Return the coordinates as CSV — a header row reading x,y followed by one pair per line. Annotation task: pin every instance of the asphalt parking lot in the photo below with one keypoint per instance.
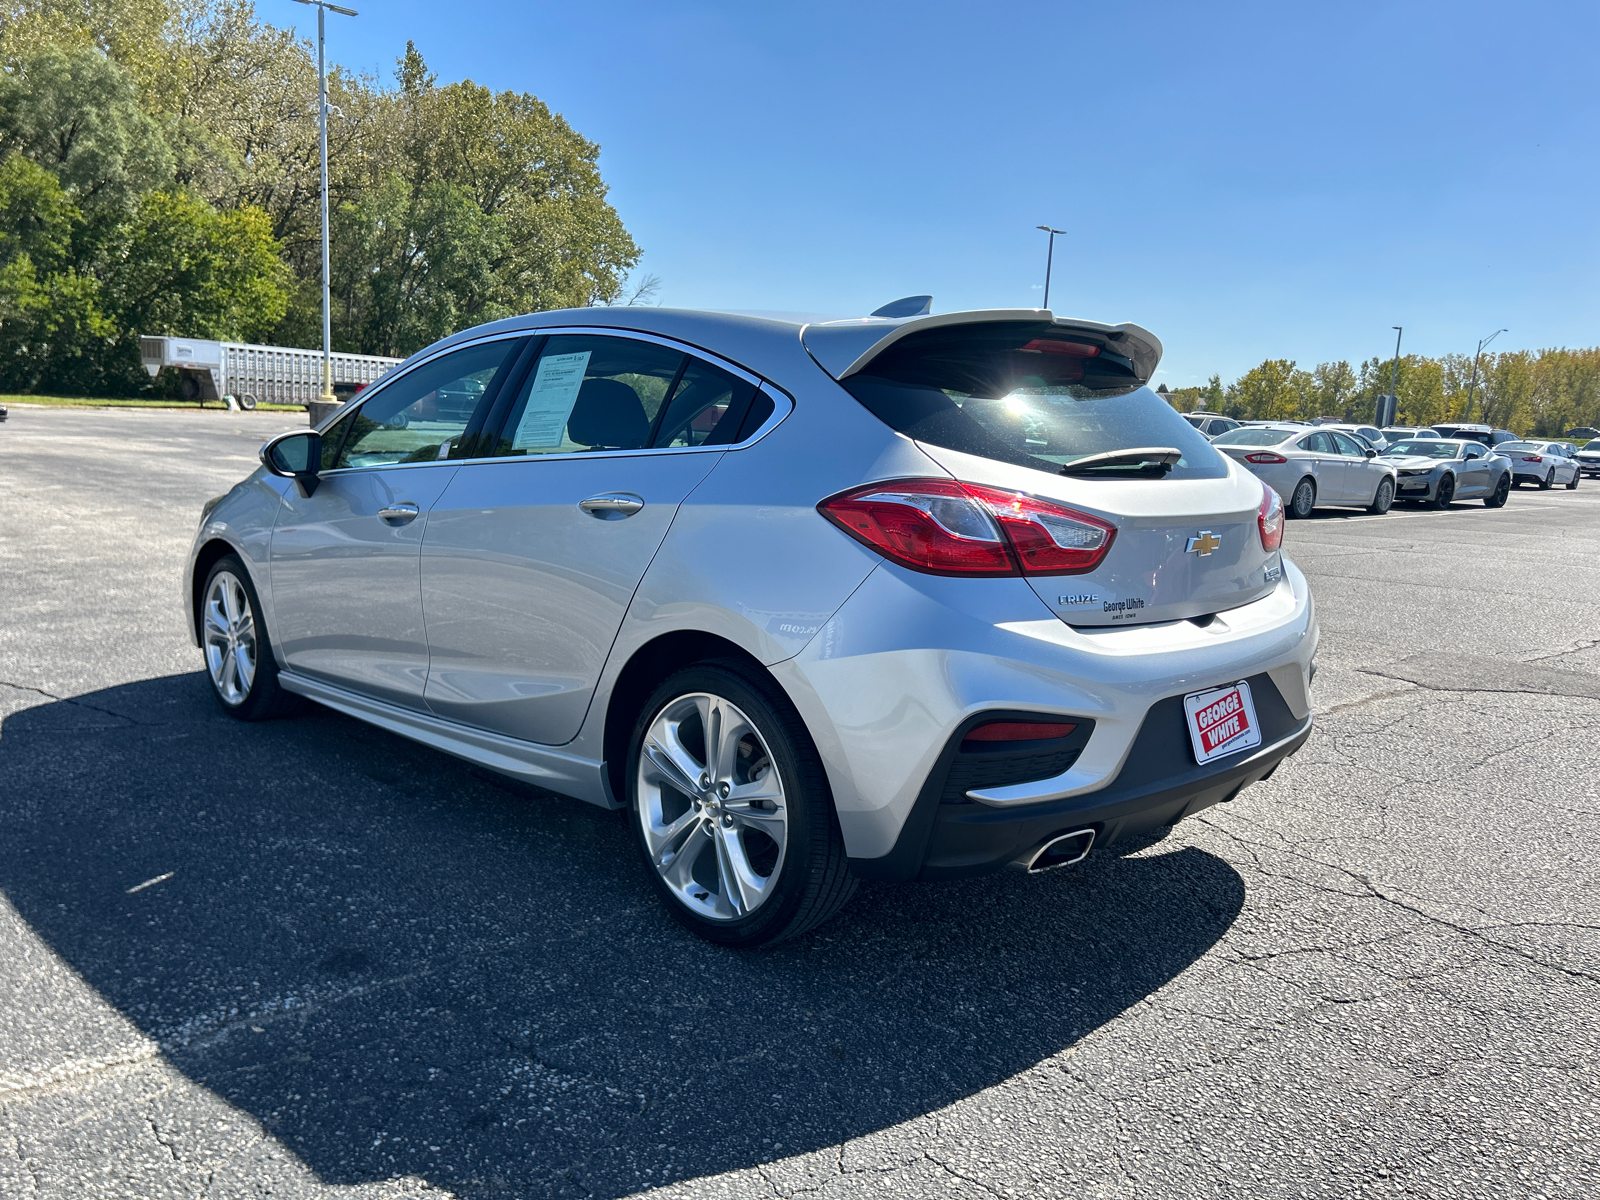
x,y
308,958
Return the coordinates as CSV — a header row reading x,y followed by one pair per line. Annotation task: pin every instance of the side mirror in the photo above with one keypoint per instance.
x,y
1372,453
296,455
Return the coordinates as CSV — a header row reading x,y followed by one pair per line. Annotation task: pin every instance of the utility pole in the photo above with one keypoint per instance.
x,y
1477,354
1049,259
322,127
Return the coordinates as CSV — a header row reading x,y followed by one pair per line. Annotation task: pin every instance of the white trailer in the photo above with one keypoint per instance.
x,y
253,375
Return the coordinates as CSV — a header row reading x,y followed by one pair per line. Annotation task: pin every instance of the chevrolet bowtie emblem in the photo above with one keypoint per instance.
x,y
1203,543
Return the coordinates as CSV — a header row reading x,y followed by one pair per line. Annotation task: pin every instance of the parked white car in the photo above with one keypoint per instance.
x,y
1405,433
1543,463
1311,468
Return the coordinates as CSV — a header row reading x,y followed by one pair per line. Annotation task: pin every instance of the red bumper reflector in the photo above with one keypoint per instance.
x,y
1019,731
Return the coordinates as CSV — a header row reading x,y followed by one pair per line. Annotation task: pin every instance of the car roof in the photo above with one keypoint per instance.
x,y
772,343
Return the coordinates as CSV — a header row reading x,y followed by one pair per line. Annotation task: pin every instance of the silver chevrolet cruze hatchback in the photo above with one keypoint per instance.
x,y
892,598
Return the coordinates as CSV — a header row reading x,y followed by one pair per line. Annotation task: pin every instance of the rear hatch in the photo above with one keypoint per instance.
x,y
1027,406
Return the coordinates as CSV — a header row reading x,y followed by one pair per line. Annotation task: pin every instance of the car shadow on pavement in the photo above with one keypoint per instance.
x,y
401,965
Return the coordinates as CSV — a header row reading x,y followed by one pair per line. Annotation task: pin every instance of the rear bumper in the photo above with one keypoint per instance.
x,y
947,836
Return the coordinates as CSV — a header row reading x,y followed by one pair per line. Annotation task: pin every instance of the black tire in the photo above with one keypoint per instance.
x,y
263,699
1303,500
1549,481
1383,498
813,878
1501,491
1572,484
1445,493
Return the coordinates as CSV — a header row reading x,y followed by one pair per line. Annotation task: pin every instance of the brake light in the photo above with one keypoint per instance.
x,y
1265,456
943,527
1269,519
1531,458
1070,349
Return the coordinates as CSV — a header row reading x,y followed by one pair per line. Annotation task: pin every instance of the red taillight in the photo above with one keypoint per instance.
x,y
1531,458
1019,731
1265,456
1269,519
947,528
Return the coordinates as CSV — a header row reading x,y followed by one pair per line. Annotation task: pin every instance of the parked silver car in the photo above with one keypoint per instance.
x,y
879,598
1440,471
1312,467
1542,463
1369,435
1210,424
1588,458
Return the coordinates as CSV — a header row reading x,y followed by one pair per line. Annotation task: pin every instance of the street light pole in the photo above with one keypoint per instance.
x,y
1394,371
1477,354
322,130
1049,259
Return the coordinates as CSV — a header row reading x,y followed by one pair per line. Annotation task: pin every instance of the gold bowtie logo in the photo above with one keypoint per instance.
x,y
1203,544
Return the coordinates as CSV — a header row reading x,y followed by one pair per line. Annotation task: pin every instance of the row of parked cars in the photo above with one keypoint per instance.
x,y
1316,464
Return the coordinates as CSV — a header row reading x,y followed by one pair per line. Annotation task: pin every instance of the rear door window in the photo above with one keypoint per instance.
x,y
595,392
1027,393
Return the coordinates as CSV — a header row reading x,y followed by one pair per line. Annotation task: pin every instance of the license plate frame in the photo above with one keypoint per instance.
x,y
1221,721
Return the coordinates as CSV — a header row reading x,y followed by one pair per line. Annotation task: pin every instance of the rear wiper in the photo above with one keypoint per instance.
x,y
1152,458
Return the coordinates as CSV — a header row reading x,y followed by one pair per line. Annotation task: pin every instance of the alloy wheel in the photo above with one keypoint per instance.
x,y
712,807
230,638
1305,499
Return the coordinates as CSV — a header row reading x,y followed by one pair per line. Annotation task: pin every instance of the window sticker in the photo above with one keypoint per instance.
x,y
550,400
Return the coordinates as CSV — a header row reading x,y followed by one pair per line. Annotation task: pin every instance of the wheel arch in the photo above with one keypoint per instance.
x,y
644,670
205,558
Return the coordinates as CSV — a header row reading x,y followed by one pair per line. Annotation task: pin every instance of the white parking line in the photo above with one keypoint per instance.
x,y
1447,512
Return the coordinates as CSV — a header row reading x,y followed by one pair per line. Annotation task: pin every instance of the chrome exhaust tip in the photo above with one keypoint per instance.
x,y
1060,850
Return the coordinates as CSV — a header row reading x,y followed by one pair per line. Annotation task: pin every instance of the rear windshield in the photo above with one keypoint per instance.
x,y
1254,436
1529,446
1423,449
1472,435
1028,393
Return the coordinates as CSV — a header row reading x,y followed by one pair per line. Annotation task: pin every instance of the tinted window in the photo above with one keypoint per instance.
x,y
1317,443
1473,452
1347,446
590,393
1025,393
593,392
706,408
424,410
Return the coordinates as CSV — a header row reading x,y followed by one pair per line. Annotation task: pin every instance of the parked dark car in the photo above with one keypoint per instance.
x,y
1485,434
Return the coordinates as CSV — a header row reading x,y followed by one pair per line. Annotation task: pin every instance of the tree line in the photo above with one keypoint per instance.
x,y
159,173
1540,393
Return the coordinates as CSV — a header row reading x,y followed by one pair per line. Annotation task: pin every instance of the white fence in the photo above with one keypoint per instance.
x,y
258,374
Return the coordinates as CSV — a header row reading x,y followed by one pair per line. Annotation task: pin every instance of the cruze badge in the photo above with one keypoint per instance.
x,y
1203,543
1080,598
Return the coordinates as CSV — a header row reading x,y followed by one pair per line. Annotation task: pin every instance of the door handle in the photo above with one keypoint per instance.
x,y
612,506
401,512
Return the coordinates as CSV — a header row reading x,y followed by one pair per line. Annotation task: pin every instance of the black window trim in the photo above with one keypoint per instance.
x,y
782,401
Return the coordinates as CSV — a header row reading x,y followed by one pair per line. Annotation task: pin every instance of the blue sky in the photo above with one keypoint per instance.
x,y
1246,180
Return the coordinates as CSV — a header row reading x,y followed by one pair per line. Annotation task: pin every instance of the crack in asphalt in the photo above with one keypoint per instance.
x,y
1373,891
23,687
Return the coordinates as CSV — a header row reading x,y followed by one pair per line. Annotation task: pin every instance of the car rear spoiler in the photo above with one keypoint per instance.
x,y
841,348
